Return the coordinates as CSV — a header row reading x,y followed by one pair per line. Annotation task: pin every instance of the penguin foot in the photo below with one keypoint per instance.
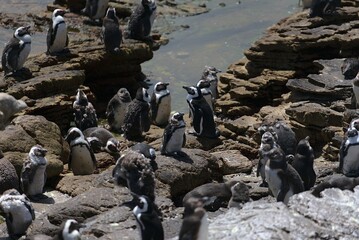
x,y
38,197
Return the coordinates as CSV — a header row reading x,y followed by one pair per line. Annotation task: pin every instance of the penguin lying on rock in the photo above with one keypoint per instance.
x,y
336,181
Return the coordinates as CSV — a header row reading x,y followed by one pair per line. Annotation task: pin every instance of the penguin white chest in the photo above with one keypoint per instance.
x,y
176,141
81,160
273,180
356,93
203,229
209,99
164,110
351,161
119,114
23,55
60,39
21,218
38,182
101,8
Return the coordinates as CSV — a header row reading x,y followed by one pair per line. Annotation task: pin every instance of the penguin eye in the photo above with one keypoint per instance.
x,y
141,204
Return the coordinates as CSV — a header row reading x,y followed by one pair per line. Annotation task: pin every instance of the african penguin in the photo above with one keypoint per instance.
x,y
57,38
141,20
323,7
147,219
17,211
148,152
210,74
336,181
174,137
107,140
95,9
350,68
137,118
33,173
201,114
70,230
84,112
82,160
356,90
8,107
116,109
111,32
303,163
16,51
283,180
205,87
240,195
349,153
195,226
160,104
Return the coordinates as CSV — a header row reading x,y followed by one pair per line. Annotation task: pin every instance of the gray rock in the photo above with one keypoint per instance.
x,y
8,176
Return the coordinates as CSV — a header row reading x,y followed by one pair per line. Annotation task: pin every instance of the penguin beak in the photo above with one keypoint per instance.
x,y
166,84
188,89
27,28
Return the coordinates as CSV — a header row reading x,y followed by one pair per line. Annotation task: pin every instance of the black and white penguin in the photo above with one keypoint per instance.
x,y
57,38
147,218
174,137
147,151
283,180
107,140
95,9
355,84
84,112
323,7
137,118
160,104
240,195
201,114
111,32
336,181
8,107
303,163
210,74
268,142
70,230
33,173
17,211
82,160
195,225
141,20
349,153
116,109
205,87
350,68
16,51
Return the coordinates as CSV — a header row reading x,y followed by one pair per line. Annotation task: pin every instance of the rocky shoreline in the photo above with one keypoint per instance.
x,y
291,73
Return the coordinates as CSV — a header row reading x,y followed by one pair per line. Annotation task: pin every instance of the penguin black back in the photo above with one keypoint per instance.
x,y
112,34
323,7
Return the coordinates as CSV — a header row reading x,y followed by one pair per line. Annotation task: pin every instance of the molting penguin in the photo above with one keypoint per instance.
x,y
174,137
57,38
350,68
148,152
303,163
137,118
8,107
116,109
283,180
201,114
70,230
107,140
17,211
349,153
210,74
33,173
195,225
240,195
95,9
82,160
147,219
111,32
160,104
336,181
323,7
16,51
141,20
205,87
85,113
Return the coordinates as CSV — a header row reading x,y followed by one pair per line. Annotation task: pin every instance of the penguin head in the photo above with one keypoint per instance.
x,y
38,151
277,158
160,86
23,33
354,124
176,118
95,144
210,71
58,12
203,83
124,95
193,92
71,230
112,145
268,138
142,95
145,149
143,204
111,13
73,134
81,98
151,4
304,147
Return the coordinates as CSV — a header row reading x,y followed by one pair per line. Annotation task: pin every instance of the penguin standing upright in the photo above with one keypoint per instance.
x,y
355,84
323,7
195,225
95,9
303,163
210,74
349,152
174,137
57,38
111,32
82,159
16,51
160,104
116,109
201,114
283,180
147,219
84,112
205,87
141,20
17,211
137,118
33,173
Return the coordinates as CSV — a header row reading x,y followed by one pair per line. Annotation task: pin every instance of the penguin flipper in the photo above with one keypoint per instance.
x,y
198,115
154,107
146,27
184,140
145,119
29,207
10,53
50,37
284,187
27,173
167,134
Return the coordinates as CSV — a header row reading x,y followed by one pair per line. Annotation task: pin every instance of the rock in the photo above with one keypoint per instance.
x,y
8,107
234,162
8,176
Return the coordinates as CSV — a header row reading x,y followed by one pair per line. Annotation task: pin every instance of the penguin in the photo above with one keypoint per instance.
x,y
323,7
18,212
195,226
82,160
84,112
111,32
33,173
303,163
210,74
205,87
160,104
201,114
355,84
70,230
16,51
141,20
174,137
268,142
95,9
148,152
283,180
57,38
240,195
350,68
348,153
8,107
305,3
107,140
116,109
336,181
137,118
147,218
